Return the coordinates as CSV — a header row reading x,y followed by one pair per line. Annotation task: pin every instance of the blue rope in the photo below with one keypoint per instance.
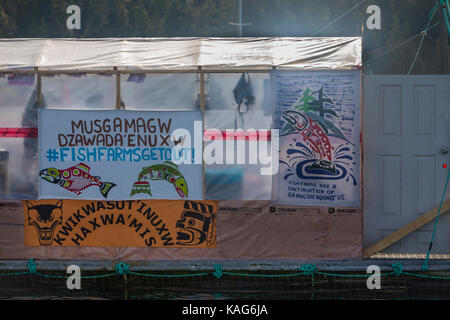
x,y
446,17
340,17
218,273
424,33
309,269
425,263
122,268
203,274
305,270
397,268
32,267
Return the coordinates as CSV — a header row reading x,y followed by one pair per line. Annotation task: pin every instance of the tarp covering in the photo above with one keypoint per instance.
x,y
335,53
245,230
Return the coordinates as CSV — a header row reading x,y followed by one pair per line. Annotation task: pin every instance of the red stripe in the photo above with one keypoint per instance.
x,y
18,132
210,135
141,182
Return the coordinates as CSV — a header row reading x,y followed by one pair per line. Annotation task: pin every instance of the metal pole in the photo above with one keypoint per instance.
x,y
240,18
240,24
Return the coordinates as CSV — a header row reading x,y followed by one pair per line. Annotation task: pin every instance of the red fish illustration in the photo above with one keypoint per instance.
x,y
76,179
311,132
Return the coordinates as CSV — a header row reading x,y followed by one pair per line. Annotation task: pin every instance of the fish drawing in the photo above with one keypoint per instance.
x,y
311,131
167,171
76,179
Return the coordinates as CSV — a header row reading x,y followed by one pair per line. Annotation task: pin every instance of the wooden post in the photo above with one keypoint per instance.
x,y
361,127
362,47
409,228
118,90
38,87
202,107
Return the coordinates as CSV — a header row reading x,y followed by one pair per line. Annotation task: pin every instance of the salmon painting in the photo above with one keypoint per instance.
x,y
167,171
311,132
75,179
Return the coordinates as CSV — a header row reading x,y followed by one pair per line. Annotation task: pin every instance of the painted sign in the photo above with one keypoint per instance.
x,y
142,223
318,115
119,155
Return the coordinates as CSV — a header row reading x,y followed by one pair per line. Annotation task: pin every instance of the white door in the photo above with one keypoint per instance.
x,y
406,124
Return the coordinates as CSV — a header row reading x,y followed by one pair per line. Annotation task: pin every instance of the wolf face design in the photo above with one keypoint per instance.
x,y
45,218
197,224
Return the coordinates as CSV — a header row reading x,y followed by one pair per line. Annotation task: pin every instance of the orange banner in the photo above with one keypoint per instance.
x,y
145,223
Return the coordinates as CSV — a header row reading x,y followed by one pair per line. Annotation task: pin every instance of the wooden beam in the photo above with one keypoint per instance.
x,y
77,71
118,90
38,88
409,228
202,107
131,71
414,256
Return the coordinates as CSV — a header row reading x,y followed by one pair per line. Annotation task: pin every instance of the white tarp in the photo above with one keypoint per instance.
x,y
119,155
336,53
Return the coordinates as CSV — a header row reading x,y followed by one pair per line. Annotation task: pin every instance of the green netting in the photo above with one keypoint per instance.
x,y
308,283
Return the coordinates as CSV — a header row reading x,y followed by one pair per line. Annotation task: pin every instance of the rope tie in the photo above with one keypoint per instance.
x,y
423,34
308,269
218,273
397,268
305,270
122,268
427,258
32,267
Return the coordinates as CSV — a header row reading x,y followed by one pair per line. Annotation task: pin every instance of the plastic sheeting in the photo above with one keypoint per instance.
x,y
231,180
82,92
181,53
245,230
18,108
161,92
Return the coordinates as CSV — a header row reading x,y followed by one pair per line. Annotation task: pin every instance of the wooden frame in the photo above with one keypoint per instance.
x,y
406,230
417,256
117,73
118,90
202,107
115,70
369,252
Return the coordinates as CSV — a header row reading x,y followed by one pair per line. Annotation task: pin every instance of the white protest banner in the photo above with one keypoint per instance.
x,y
318,115
120,155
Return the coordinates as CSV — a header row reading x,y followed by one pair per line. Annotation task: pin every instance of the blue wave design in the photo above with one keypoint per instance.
x,y
345,157
304,171
293,151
